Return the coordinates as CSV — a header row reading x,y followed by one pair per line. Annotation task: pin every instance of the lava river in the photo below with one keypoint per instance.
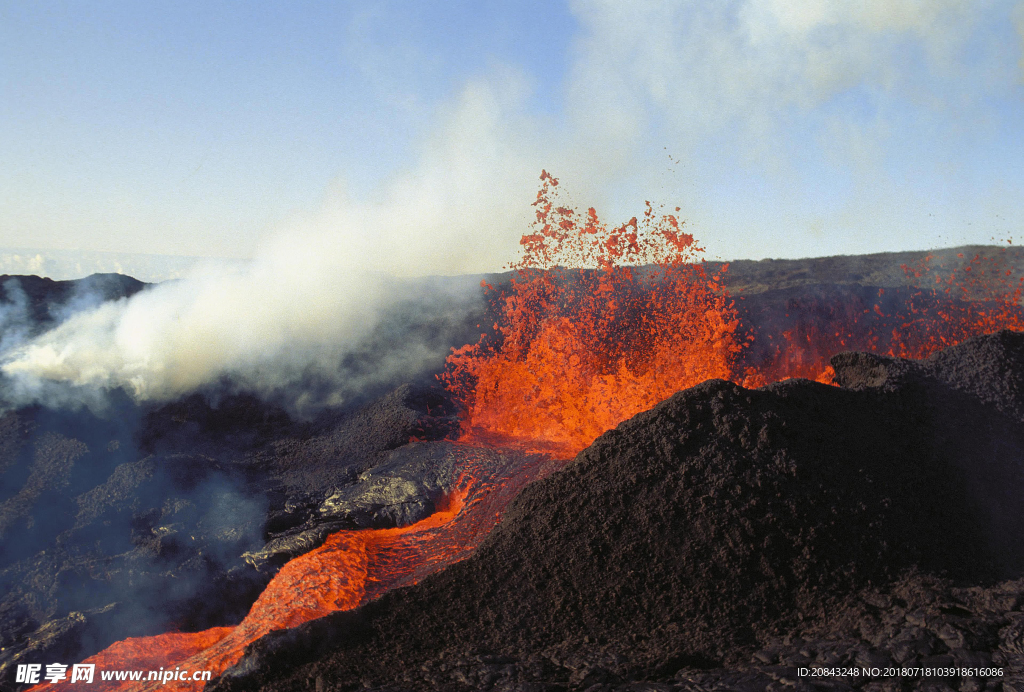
x,y
349,569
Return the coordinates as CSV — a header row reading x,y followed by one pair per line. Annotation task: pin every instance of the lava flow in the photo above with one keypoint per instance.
x,y
598,324
349,569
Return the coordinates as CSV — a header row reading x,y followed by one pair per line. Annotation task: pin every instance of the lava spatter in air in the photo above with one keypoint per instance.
x,y
980,297
940,306
599,324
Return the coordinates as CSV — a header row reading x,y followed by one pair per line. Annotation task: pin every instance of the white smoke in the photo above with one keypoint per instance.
x,y
280,314
716,83
317,289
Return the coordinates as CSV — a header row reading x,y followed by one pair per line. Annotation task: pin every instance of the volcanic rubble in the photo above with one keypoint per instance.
x,y
176,518
724,539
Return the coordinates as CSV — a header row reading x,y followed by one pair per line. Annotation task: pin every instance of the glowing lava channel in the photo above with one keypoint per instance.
x,y
599,324
349,569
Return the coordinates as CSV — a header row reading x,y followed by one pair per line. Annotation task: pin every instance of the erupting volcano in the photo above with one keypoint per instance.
x,y
596,324
600,323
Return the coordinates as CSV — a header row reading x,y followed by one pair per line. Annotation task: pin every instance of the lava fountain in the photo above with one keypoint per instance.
x,y
600,323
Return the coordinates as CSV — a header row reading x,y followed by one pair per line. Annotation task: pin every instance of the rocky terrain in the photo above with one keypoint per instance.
x,y
723,539
108,536
882,270
32,304
719,541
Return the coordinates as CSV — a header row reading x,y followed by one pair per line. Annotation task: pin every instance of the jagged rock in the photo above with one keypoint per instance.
x,y
379,503
280,550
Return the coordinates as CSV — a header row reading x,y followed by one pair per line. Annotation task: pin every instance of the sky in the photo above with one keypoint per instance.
x,y
409,137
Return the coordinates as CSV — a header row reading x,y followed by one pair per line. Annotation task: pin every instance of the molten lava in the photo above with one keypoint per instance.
x,y
600,324
349,569
979,298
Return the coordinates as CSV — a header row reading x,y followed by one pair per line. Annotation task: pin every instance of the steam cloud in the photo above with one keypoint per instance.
x,y
281,326
714,83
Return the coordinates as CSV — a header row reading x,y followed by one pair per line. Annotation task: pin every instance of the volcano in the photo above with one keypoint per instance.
x,y
723,536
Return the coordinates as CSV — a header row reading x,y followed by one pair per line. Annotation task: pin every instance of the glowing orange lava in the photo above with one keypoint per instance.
x,y
349,569
600,324
980,297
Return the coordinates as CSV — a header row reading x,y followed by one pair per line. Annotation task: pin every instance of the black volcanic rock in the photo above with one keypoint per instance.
x,y
986,369
399,492
332,456
176,516
883,269
700,532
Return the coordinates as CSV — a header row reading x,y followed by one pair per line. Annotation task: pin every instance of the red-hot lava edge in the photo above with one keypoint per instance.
x,y
599,324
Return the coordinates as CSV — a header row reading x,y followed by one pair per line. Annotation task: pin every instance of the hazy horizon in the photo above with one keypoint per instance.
x,y
409,137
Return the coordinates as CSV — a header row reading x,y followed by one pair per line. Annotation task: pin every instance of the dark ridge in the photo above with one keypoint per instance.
x,y
704,530
45,299
883,269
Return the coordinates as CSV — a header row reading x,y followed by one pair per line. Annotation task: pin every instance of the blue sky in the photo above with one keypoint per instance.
x,y
409,136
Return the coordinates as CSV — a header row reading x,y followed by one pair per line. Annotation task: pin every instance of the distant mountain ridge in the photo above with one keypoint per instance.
x,y
75,264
